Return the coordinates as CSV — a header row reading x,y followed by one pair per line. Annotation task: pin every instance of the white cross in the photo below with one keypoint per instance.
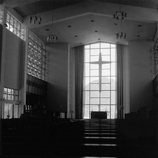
x,y
100,62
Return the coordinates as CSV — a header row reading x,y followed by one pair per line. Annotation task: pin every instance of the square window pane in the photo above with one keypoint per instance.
x,y
105,51
94,79
86,112
94,93
94,66
106,80
113,112
94,86
105,93
105,66
94,100
86,69
86,97
113,83
94,72
96,45
94,108
105,45
9,91
105,58
105,101
105,86
9,97
5,90
86,82
113,69
95,52
105,108
105,72
113,54
94,58
86,55
16,111
113,97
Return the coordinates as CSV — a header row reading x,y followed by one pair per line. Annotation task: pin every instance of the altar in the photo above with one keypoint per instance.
x,y
98,115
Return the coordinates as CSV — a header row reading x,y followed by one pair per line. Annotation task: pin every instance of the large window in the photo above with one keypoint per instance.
x,y
1,15
10,111
100,79
15,26
10,107
11,94
36,65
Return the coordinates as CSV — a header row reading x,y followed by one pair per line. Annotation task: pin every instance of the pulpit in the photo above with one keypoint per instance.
x,y
98,115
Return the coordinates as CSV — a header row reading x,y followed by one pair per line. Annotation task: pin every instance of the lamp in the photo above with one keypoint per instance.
x,y
120,15
51,37
121,35
34,19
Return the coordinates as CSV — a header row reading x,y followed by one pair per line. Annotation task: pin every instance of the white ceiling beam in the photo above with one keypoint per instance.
x,y
16,3
96,8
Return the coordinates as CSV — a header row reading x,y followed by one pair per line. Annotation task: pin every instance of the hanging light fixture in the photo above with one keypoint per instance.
x,y
34,19
120,15
121,35
51,37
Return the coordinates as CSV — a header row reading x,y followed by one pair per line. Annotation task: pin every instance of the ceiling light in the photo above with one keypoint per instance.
x,y
35,20
52,38
139,25
120,15
121,35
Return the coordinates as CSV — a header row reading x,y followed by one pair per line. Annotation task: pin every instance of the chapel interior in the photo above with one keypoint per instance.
x,y
79,78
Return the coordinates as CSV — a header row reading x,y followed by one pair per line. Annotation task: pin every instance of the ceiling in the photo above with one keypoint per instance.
x,y
80,22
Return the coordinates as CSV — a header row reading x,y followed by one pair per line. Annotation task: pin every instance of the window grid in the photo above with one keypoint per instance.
x,y
105,102
11,94
15,26
36,65
1,15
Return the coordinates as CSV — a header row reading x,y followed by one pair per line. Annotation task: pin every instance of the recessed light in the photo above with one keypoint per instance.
x,y
96,31
139,25
98,39
115,23
76,36
92,20
69,25
47,29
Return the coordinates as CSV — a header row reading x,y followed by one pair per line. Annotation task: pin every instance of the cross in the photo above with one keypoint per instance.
x,y
100,62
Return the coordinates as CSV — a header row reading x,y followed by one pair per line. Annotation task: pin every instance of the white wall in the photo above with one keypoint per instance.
x,y
57,89
140,75
14,52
